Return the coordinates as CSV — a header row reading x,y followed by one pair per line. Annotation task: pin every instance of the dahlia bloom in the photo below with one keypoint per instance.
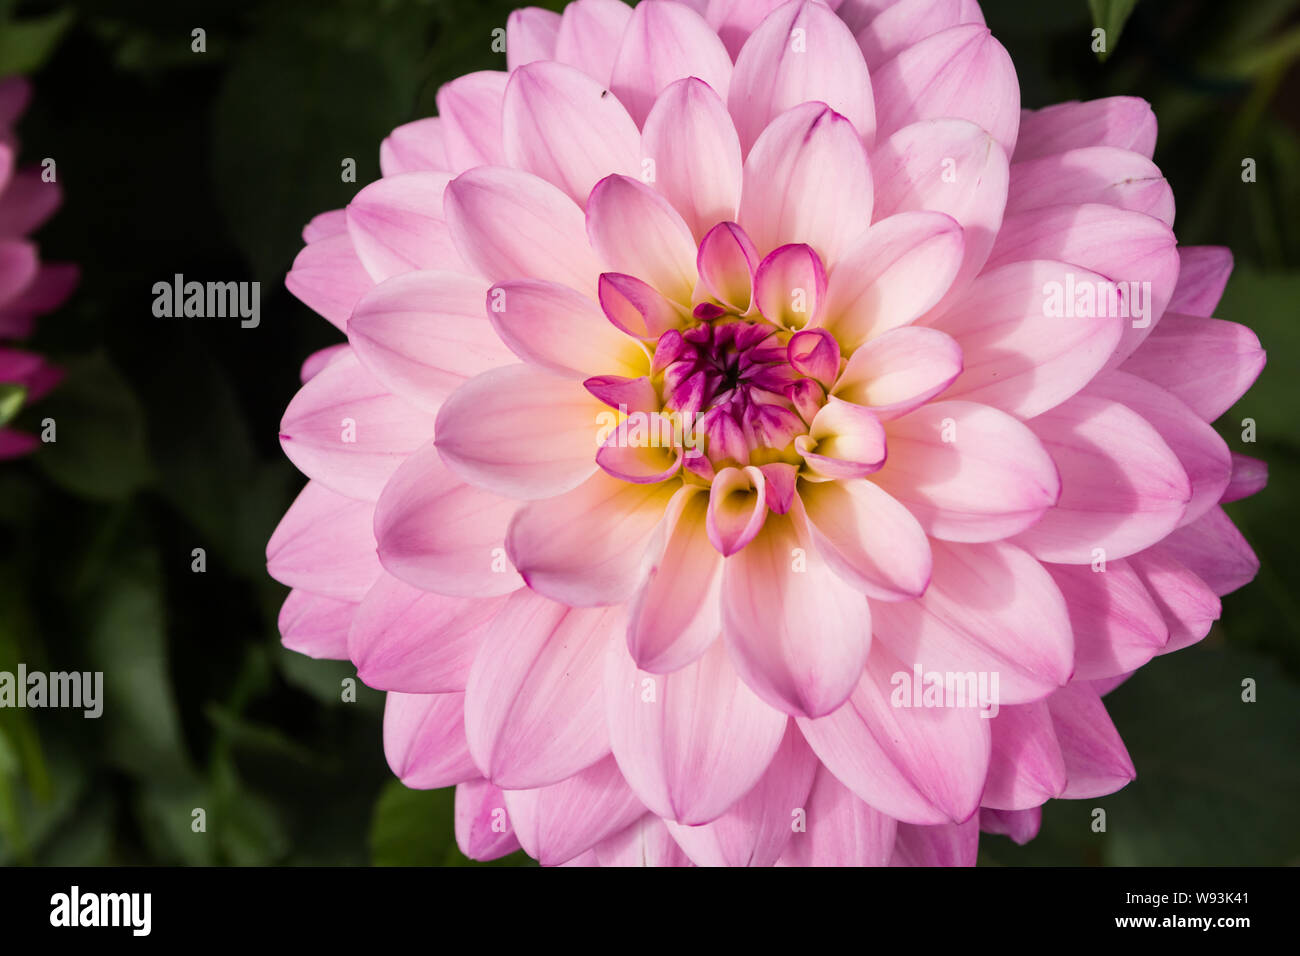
x,y
28,287
716,375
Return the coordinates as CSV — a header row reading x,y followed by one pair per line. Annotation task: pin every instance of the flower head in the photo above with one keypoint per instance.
x,y
758,441
28,287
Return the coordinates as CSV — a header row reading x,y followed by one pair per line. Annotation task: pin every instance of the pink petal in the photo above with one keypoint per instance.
x,y
844,441
727,262
439,534
1092,174
690,743
521,432
530,35
1125,122
756,829
1214,550
1122,489
424,740
737,508
562,125
1188,605
589,546
990,609
483,830
424,334
802,52
1096,762
1199,449
348,432
415,147
961,73
559,822
1249,476
534,713
735,20
696,154
590,34
408,640
947,844
1122,246
316,626
825,198
775,593
470,109
509,224
397,226
644,843
948,166
790,286
908,22
899,371
675,615
324,544
1020,825
1206,363
1203,273
637,231
1026,768
838,829
868,538
666,42
1017,355
968,472
328,277
918,765
556,328
1117,627
896,271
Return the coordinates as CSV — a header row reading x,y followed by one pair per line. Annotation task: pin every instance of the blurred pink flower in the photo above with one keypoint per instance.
x,y
28,287
779,365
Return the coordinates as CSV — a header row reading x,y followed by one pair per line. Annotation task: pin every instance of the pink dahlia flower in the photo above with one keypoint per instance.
x,y
28,287
719,374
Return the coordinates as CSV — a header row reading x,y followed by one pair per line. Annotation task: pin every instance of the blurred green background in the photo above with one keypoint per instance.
x,y
209,164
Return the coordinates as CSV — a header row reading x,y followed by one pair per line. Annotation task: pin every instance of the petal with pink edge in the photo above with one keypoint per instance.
x,y
534,712
483,830
968,472
590,546
690,743
424,740
560,124
663,43
826,196
948,166
1125,122
801,53
839,829
962,73
1122,488
1096,761
637,231
899,371
776,592
756,829
697,161
917,764
868,538
557,823
408,640
510,224
1117,627
521,432
325,544
316,626
1207,363
990,609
